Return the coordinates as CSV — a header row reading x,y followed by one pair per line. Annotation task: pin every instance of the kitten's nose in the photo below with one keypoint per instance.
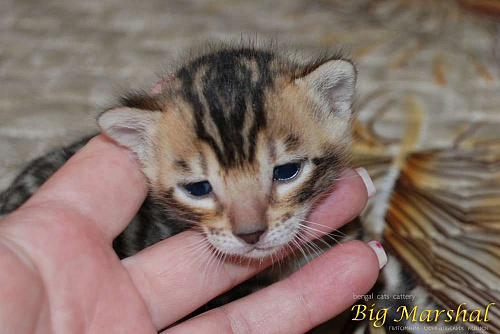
x,y
251,238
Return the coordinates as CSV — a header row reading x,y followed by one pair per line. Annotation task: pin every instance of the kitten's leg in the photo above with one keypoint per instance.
x,y
151,225
34,175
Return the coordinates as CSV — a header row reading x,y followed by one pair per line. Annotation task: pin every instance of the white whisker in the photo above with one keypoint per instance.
x,y
325,226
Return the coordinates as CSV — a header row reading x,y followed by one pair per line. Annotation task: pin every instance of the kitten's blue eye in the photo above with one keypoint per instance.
x,y
199,189
286,172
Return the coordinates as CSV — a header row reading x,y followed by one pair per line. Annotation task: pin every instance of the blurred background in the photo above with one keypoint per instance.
x,y
428,124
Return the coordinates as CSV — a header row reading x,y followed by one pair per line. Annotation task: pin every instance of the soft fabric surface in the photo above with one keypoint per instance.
x,y
428,127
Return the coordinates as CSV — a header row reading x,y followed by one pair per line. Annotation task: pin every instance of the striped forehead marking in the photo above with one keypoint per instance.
x,y
233,85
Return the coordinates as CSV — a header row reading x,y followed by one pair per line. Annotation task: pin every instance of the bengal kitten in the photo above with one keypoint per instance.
x,y
239,142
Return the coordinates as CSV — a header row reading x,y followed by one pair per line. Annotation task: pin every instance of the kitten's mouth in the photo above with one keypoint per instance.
x,y
265,248
258,252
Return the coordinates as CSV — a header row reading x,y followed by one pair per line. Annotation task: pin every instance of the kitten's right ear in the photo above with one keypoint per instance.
x,y
334,83
130,127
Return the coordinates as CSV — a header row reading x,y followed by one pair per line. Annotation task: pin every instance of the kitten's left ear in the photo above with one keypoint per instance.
x,y
130,127
333,83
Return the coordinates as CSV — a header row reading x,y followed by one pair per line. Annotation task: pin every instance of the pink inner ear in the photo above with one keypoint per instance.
x,y
160,85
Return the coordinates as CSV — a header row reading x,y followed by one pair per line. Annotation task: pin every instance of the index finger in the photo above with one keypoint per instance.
x,y
317,292
102,182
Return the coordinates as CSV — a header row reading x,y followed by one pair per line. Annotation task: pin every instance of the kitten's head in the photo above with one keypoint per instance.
x,y
241,142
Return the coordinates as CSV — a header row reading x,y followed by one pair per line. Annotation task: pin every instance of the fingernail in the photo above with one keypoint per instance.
x,y
367,180
379,251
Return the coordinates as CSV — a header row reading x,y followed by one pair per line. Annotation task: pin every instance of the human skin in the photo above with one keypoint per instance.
x,y
60,274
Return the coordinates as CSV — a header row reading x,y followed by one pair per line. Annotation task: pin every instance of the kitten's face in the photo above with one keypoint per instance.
x,y
241,152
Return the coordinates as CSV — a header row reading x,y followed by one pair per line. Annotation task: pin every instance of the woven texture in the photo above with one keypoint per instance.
x,y
428,125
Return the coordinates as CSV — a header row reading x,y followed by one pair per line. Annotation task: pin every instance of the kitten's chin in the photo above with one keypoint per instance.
x,y
256,253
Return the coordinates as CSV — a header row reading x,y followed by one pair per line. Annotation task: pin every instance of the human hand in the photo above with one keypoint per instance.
x,y
60,274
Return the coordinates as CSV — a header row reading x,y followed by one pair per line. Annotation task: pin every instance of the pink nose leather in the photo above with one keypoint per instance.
x,y
248,219
251,238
